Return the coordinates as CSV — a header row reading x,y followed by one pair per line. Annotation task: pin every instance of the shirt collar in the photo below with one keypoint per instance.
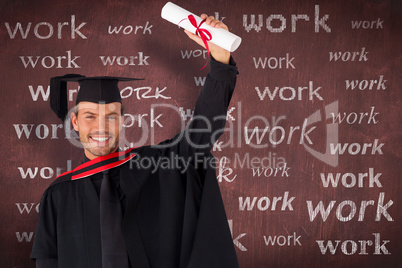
x,y
86,159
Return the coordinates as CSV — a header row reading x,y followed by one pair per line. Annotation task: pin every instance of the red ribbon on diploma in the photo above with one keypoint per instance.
x,y
204,34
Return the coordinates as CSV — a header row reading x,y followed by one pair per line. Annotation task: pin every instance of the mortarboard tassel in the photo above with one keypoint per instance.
x,y
58,94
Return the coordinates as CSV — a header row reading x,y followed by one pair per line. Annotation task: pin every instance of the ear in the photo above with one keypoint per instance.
x,y
74,121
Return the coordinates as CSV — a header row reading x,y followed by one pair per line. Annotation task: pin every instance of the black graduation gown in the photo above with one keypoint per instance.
x,y
174,217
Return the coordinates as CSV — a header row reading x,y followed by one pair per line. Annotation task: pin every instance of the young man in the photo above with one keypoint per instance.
x,y
112,212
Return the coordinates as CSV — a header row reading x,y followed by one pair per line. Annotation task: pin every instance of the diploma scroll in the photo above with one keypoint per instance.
x,y
220,37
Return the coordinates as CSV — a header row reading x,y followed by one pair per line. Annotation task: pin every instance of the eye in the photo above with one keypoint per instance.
x,y
90,117
113,116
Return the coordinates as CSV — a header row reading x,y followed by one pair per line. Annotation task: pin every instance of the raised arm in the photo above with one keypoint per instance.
x,y
209,117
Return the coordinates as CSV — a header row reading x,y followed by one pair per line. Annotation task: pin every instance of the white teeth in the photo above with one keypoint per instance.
x,y
100,139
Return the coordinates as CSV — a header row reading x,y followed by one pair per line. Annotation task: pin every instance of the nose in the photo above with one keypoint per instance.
x,y
102,121
102,124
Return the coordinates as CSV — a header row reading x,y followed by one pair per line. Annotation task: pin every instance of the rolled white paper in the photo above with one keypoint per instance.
x,y
220,37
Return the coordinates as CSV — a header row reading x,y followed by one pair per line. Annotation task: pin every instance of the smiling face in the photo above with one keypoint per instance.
x,y
98,126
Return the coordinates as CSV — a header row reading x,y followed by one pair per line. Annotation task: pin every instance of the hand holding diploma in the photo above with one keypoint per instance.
x,y
204,30
219,54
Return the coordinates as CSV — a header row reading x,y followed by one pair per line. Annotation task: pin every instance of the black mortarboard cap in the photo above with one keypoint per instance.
x,y
100,89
